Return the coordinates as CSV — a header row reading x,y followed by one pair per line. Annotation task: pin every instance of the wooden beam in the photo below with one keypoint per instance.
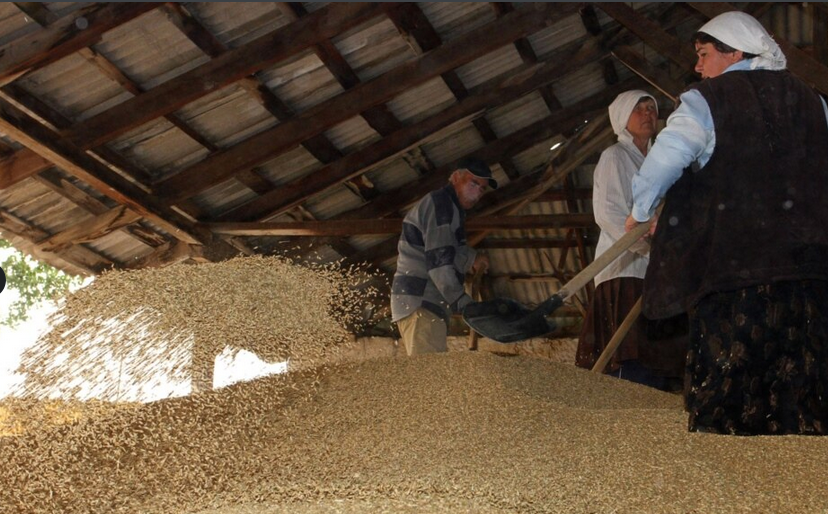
x,y
651,33
38,12
65,36
110,70
273,142
225,69
344,228
46,142
799,63
393,201
91,229
76,255
492,95
20,165
169,253
193,29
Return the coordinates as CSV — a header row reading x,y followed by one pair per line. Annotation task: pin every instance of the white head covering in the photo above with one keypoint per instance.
x,y
621,108
742,32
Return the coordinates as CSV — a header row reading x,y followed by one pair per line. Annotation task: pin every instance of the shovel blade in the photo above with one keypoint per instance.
x,y
506,321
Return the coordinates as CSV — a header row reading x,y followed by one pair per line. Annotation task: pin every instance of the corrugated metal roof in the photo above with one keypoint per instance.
x,y
453,19
422,101
150,50
352,134
238,23
74,87
515,115
374,49
489,66
301,82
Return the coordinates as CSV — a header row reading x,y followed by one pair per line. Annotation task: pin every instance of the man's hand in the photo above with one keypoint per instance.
x,y
480,264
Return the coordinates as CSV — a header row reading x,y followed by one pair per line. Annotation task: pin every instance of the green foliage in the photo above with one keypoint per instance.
x,y
34,281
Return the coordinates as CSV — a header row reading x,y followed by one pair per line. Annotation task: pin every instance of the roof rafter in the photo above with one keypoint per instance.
x,y
272,142
225,69
65,36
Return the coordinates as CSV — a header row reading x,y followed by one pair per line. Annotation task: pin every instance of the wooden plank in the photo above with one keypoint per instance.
x,y
225,69
343,228
46,142
77,255
651,33
20,165
91,229
168,253
65,36
272,142
799,63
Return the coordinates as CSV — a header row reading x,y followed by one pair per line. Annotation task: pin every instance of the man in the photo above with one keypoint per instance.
x,y
633,115
742,241
434,257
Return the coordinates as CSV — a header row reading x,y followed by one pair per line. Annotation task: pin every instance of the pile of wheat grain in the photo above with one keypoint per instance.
x,y
132,334
455,432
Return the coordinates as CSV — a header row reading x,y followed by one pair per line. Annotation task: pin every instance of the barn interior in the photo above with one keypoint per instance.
x,y
154,136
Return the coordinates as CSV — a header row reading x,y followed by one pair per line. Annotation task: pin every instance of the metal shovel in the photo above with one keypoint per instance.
x,y
505,320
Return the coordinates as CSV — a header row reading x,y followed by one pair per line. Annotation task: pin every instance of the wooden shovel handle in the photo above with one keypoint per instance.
x,y
617,337
605,259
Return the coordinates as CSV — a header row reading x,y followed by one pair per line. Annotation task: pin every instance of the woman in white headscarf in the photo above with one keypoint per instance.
x,y
742,243
633,115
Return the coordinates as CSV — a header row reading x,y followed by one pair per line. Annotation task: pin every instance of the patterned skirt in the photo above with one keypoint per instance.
x,y
759,360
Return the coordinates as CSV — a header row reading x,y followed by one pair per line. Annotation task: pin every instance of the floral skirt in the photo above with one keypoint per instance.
x,y
759,360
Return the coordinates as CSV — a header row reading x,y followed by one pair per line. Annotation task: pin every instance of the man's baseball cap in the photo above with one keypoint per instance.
x,y
478,168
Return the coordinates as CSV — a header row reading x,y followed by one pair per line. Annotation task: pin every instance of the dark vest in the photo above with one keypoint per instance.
x,y
757,212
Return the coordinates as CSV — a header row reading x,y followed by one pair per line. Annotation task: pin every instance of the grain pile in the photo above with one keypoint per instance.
x,y
455,432
131,335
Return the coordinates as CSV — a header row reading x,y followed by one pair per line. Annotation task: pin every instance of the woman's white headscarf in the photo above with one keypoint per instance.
x,y
742,32
621,108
